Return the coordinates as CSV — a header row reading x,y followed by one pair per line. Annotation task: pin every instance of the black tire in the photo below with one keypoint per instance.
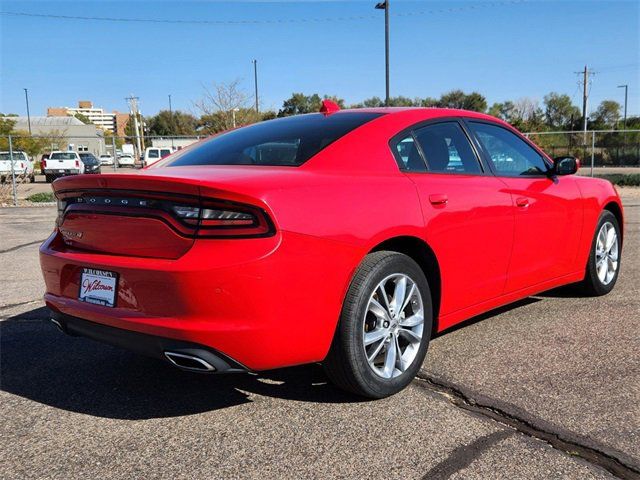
x,y
592,285
346,364
32,179
48,178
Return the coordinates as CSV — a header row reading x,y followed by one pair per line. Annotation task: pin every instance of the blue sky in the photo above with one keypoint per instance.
x,y
505,51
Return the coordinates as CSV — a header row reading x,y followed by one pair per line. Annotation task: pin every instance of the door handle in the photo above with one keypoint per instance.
x,y
438,199
522,202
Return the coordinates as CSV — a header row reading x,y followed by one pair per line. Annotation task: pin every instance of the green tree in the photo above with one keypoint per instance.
x,y
559,112
458,99
83,118
167,123
606,115
300,103
6,125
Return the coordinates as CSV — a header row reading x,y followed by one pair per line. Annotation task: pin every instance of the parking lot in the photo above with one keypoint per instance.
x,y
546,388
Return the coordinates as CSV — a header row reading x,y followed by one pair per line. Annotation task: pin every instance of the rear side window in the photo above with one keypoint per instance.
x,y
510,155
289,141
153,154
16,156
446,149
409,156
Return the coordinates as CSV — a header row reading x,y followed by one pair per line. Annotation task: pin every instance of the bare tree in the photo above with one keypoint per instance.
x,y
225,106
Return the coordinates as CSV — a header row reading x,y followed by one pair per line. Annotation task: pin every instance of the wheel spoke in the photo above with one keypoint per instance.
x,y
412,321
398,294
398,354
611,238
373,337
383,293
378,310
410,335
602,271
376,351
390,360
407,298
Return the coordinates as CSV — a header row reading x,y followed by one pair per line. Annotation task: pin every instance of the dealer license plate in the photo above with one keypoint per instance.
x,y
98,287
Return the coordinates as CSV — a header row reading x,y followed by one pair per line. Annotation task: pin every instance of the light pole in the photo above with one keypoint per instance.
x,y
385,6
626,91
233,114
255,81
171,121
26,97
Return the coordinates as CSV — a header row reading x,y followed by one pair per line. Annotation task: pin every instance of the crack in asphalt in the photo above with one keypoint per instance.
x,y
464,455
22,245
13,305
615,462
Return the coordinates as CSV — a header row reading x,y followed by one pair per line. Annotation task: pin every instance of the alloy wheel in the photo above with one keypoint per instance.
x,y
607,253
393,325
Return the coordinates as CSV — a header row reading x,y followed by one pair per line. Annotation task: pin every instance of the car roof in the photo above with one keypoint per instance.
x,y
429,112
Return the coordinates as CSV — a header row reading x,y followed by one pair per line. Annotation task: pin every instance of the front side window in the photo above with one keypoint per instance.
x,y
288,141
446,149
510,155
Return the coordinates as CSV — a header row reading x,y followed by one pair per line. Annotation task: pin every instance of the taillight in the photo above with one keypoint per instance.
x,y
44,164
216,218
77,164
188,216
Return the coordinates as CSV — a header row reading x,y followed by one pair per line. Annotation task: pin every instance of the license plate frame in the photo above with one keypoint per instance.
x,y
98,287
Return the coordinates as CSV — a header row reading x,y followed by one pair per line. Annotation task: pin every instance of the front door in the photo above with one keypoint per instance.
x,y
548,209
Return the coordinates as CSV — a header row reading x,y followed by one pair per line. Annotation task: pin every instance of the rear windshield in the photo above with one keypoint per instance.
x,y
16,156
153,154
287,141
63,156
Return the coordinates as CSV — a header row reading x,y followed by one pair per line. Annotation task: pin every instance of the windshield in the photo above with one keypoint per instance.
x,y
289,141
16,156
63,156
88,158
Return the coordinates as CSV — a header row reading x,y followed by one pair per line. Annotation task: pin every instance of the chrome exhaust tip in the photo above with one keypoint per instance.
x,y
189,362
57,324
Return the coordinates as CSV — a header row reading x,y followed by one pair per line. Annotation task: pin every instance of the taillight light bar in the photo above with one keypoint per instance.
x,y
189,216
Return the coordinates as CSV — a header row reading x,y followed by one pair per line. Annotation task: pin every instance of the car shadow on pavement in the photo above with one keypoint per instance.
x,y
40,363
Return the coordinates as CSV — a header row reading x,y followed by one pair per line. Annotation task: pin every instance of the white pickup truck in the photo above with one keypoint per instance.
x,y
62,163
22,167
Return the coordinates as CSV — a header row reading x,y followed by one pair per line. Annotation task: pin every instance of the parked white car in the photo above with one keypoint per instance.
x,y
106,159
154,154
22,166
62,163
126,160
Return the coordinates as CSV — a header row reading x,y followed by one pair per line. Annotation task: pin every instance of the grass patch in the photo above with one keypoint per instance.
x,y
622,179
42,197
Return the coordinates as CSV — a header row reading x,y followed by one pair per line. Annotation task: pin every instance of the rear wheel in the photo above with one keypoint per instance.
x,y
384,328
48,178
604,258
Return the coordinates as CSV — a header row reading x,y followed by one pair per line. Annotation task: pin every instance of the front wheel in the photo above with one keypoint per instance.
x,y
604,258
384,329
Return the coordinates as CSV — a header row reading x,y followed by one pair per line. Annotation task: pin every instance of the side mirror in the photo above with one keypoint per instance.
x,y
565,165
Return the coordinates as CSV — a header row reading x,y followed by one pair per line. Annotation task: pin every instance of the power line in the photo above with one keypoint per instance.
x,y
258,22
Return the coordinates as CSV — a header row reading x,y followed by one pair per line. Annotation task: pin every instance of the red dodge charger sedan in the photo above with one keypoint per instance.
x,y
342,237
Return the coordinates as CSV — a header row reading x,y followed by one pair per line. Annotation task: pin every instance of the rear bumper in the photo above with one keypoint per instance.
x,y
58,172
265,302
144,344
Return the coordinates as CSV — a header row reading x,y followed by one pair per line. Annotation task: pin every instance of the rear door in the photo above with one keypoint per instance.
x,y
548,209
468,213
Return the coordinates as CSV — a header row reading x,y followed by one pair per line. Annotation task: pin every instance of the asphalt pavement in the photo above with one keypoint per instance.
x,y
546,388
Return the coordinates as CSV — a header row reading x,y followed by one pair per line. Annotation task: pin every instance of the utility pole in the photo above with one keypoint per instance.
x,y
255,81
133,109
585,99
626,91
26,97
385,6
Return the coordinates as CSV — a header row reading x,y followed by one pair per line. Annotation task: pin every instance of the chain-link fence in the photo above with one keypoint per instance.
x,y
597,148
26,159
